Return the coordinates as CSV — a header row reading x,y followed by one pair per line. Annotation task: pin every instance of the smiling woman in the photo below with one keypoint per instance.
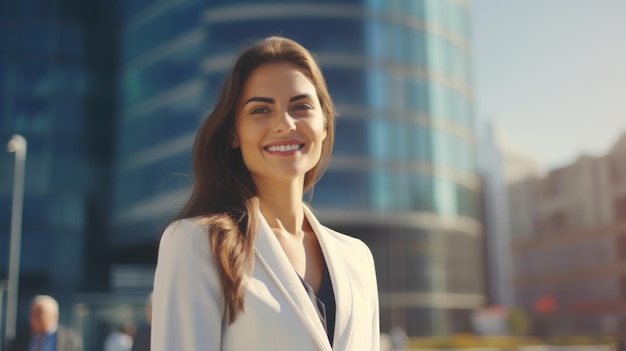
x,y
246,265
280,134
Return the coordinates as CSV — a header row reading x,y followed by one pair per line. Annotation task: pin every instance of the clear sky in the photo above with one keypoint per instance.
x,y
552,74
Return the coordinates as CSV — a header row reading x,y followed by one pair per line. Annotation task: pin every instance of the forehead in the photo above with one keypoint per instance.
x,y
277,79
38,309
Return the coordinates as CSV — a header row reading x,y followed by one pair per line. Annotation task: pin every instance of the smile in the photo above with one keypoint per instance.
x,y
284,148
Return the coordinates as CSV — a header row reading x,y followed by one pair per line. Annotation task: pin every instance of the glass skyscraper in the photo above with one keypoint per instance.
x,y
402,176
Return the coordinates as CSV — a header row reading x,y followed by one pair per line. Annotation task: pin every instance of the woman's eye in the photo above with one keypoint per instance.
x,y
302,107
260,110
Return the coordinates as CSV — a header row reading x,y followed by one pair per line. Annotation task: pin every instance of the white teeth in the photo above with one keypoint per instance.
x,y
283,148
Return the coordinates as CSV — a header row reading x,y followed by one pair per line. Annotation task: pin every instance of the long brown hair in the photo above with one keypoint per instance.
x,y
223,190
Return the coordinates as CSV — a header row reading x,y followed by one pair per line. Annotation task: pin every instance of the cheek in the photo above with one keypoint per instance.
x,y
320,130
247,133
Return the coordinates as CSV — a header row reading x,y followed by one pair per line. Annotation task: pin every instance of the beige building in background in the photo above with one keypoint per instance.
x,y
568,232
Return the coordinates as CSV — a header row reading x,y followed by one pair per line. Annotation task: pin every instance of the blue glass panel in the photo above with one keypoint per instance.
x,y
71,40
422,190
377,136
140,231
132,7
70,80
9,10
417,95
180,67
32,78
330,35
156,178
389,191
397,43
468,202
446,57
351,137
398,140
342,189
33,10
35,39
36,250
4,67
214,84
4,248
421,143
6,33
32,115
167,123
414,9
68,170
415,41
346,86
220,3
446,103
158,31
450,14
377,89
69,118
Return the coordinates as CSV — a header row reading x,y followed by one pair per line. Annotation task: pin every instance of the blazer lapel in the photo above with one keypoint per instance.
x,y
271,256
340,278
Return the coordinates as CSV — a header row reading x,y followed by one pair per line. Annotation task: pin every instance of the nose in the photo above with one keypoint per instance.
x,y
284,122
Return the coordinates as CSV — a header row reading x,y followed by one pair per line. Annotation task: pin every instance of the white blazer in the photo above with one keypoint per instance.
x,y
188,305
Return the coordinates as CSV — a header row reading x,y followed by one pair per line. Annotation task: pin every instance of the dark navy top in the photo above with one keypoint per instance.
x,y
324,302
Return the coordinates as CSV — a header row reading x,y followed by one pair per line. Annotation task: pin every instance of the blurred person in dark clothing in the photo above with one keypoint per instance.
x,y
45,333
142,336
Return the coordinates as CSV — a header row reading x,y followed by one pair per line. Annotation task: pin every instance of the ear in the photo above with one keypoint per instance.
x,y
234,141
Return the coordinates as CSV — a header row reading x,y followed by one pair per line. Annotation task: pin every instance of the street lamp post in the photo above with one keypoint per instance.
x,y
3,288
17,144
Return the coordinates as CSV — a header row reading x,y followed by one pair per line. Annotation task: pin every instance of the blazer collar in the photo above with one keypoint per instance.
x,y
272,257
342,287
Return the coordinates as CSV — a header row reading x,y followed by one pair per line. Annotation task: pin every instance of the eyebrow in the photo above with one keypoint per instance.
x,y
259,99
271,101
298,97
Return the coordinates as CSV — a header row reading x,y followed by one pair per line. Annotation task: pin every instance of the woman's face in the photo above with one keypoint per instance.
x,y
279,123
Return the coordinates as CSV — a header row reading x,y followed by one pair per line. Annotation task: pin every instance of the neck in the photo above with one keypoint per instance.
x,y
281,205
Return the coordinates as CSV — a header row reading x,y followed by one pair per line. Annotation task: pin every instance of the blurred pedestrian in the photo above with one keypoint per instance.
x,y
142,336
120,339
399,339
45,333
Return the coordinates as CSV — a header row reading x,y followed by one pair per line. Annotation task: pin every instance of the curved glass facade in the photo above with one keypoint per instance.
x,y
399,73
162,101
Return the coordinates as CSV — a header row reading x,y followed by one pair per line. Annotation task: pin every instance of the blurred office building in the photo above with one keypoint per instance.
x,y
569,244
57,89
403,175
500,163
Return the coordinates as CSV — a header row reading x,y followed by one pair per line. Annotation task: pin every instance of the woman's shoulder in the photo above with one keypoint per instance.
x,y
184,243
346,241
185,234
187,227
